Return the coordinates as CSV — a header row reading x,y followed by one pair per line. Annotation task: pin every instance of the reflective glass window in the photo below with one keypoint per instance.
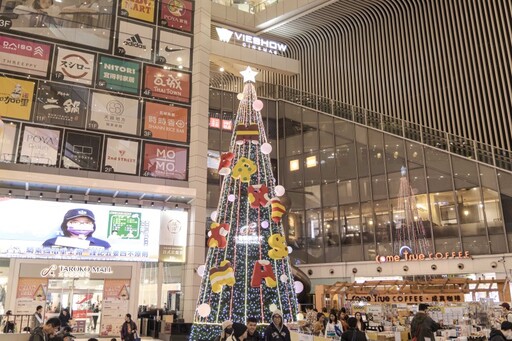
x,y
365,189
350,233
414,155
505,182
347,192
293,172
312,196
362,151
311,166
465,173
310,130
315,245
215,98
395,183
437,160
444,221
326,125
344,132
346,161
297,234
368,230
376,152
329,194
332,236
328,165
395,153
379,187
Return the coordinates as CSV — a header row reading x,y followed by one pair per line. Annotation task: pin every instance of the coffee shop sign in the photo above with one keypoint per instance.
x,y
406,256
74,271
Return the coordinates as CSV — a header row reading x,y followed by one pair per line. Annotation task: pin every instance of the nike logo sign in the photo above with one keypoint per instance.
x,y
171,49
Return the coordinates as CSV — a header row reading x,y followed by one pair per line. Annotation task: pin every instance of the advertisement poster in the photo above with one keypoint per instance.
x,y
85,23
121,156
62,105
8,142
116,295
173,236
162,121
40,146
16,98
114,113
174,49
134,40
118,75
177,14
24,56
82,151
31,293
138,9
162,161
74,66
167,84
69,230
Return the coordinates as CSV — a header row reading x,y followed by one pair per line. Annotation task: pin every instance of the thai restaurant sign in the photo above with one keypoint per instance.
x,y
249,41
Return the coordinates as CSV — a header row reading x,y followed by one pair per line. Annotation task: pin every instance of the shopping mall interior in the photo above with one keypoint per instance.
x,y
389,130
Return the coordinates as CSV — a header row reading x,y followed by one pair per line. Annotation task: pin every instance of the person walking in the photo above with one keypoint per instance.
x,y
361,325
422,325
276,330
37,318
44,332
352,333
8,325
333,329
128,329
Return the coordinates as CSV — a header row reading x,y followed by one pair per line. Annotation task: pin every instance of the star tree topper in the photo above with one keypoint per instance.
x,y
249,75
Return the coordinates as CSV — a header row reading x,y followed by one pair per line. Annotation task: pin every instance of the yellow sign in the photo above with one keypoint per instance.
x,y
406,298
16,98
139,9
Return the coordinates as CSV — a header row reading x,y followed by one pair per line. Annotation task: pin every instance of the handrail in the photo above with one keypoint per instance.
x,y
472,149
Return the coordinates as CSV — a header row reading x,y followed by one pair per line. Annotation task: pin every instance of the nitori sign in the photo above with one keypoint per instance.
x,y
249,41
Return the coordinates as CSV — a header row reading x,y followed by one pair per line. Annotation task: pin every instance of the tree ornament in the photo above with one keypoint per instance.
x,y
231,198
258,195
283,278
290,250
272,307
204,310
218,235
249,75
225,162
264,224
222,275
278,249
240,96
247,133
213,215
243,169
266,148
257,105
279,190
278,210
299,287
263,270
200,270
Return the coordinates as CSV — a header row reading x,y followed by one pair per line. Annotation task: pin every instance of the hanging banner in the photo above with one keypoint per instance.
x,y
63,105
163,161
116,296
30,293
166,122
16,98
166,84
118,75
121,156
74,66
134,40
24,56
138,9
174,49
177,14
40,146
82,151
114,113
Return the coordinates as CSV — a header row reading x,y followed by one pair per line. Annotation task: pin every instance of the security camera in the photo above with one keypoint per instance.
x,y
433,267
310,272
494,265
379,269
354,270
406,268
460,266
331,271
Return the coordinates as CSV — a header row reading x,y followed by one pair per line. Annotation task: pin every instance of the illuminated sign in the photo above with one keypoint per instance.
x,y
406,256
249,41
74,271
406,298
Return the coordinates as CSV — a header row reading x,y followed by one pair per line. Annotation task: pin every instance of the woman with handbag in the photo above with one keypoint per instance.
x,y
129,329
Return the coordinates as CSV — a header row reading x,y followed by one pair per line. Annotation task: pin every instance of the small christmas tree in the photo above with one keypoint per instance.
x,y
247,271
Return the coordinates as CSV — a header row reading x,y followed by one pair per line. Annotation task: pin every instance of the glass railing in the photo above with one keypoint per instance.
x,y
245,6
498,157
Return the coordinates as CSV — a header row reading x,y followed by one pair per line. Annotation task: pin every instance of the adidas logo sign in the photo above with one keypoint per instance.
x,y
135,41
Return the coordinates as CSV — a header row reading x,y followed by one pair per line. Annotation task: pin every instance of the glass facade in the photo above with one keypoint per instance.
x,y
351,188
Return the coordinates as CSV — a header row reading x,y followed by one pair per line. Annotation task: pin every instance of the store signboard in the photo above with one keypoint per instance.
x,y
16,98
163,161
406,298
174,49
74,269
56,230
166,122
24,56
74,66
166,84
176,14
82,151
30,293
249,41
134,40
118,75
114,113
40,146
8,142
116,296
408,256
121,156
139,9
173,236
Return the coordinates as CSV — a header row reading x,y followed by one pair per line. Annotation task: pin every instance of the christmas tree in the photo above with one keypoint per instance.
x,y
410,233
247,271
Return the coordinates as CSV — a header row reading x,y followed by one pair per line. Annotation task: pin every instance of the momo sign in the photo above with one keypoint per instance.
x,y
249,41
406,256
74,271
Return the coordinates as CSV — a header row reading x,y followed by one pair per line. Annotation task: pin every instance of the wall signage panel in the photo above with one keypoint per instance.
x,y
40,146
121,156
138,9
162,121
114,113
118,75
16,98
74,66
82,151
61,105
166,84
8,142
134,40
163,161
173,236
24,56
176,14
174,50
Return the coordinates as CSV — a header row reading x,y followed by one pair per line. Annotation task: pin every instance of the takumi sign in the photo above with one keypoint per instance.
x,y
406,298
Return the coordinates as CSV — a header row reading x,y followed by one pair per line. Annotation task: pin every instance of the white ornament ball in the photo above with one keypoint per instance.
x,y
200,270
231,197
264,224
266,148
298,287
204,310
300,316
290,250
279,190
209,233
240,96
257,105
283,278
272,307
214,215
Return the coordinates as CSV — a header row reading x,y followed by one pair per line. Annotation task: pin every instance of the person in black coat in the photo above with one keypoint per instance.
x,y
503,334
277,331
252,333
422,325
353,334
